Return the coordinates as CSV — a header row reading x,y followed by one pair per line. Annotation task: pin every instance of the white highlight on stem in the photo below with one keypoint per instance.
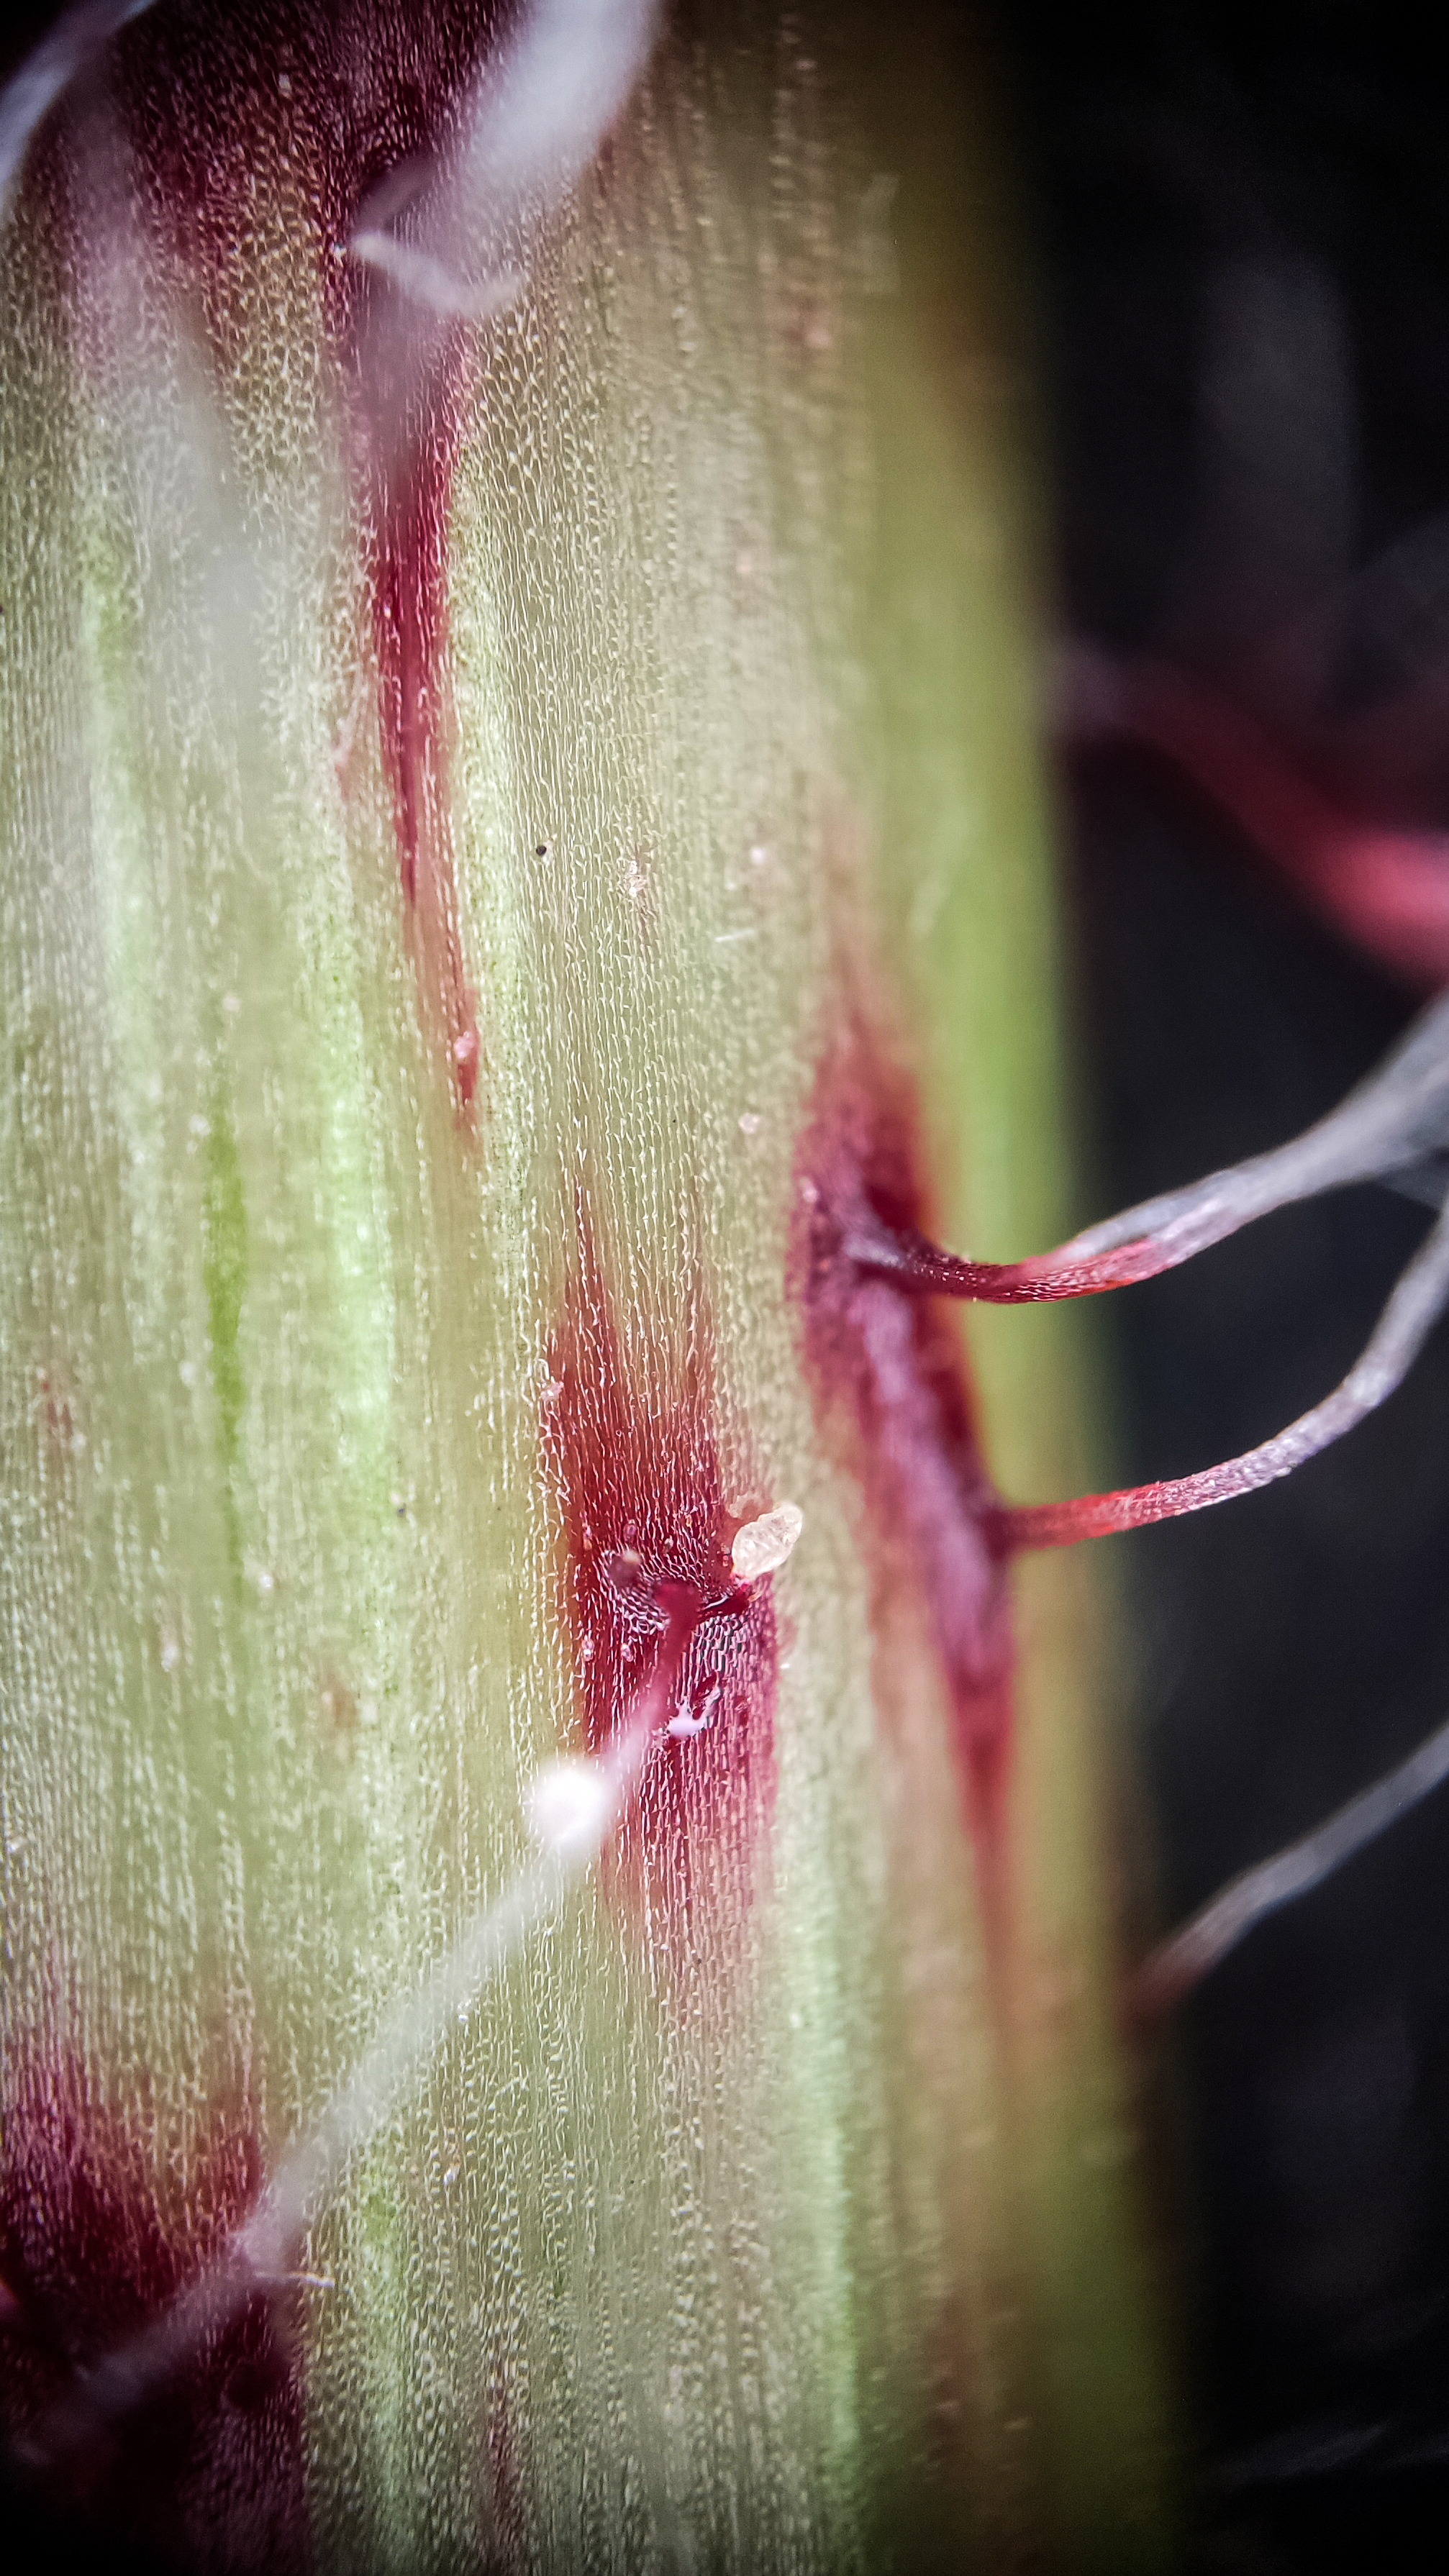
x,y
566,1804
1183,1961
45,74
539,109
428,279
685,1722
763,1545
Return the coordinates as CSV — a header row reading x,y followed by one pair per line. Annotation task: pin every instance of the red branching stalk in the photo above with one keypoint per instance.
x,y
1396,1121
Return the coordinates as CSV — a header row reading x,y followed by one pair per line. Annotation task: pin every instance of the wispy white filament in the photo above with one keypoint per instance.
x,y
1395,1123
572,1828
1394,1119
1184,1960
539,109
27,100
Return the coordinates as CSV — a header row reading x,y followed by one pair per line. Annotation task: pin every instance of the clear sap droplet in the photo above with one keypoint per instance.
x,y
764,1544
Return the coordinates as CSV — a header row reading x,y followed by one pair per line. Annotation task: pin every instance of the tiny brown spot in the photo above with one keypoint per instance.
x,y
337,1707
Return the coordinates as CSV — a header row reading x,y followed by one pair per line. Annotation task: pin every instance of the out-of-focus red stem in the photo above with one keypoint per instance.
x,y
1387,891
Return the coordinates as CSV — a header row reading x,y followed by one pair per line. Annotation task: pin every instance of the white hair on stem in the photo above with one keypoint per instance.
x,y
571,1807
257,2255
539,109
43,77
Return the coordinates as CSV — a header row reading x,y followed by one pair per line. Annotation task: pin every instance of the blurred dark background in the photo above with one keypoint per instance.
x,y
1241,224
